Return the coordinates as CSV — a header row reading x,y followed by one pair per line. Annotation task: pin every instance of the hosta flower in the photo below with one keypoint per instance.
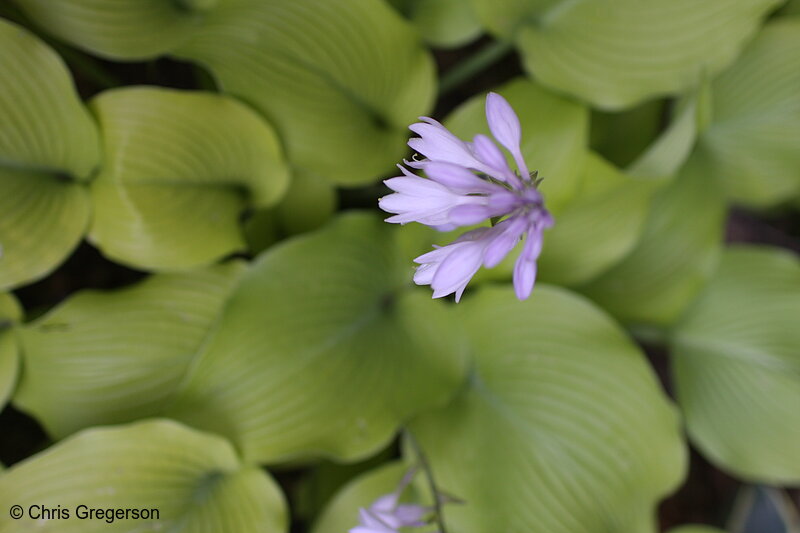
x,y
387,515
468,183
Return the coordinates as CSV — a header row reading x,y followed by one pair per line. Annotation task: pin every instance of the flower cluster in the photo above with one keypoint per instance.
x,y
387,515
468,183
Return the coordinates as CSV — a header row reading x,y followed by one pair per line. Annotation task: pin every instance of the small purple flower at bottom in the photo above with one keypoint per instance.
x,y
387,515
468,183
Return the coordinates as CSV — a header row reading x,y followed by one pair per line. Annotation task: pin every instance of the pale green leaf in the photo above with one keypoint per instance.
x,y
10,313
110,357
443,23
195,481
48,144
341,513
554,135
179,168
673,259
696,529
737,366
621,136
323,350
616,53
754,134
340,80
792,7
562,426
309,203
667,154
126,29
600,225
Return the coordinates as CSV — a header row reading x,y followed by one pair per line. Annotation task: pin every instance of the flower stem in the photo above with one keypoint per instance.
x,y
426,468
741,510
472,65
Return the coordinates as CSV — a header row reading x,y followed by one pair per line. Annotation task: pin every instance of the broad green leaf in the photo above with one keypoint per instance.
x,y
326,478
126,29
444,23
323,350
10,313
754,135
110,357
554,135
48,145
308,204
616,53
696,529
179,168
600,225
737,366
341,513
675,256
667,154
621,136
195,481
792,8
340,80
562,426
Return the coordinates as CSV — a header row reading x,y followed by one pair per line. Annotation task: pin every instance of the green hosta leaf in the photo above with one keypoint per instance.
x,y
554,135
194,480
179,169
696,529
10,313
641,126
562,426
309,203
48,144
601,224
340,80
667,154
675,256
128,29
615,53
322,350
341,513
445,23
791,8
737,366
104,358
754,135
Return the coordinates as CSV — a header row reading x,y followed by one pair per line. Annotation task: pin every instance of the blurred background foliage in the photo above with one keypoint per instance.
x,y
198,292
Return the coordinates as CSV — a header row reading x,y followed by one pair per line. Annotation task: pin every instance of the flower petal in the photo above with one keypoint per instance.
x,y
525,267
504,125
458,178
508,233
488,152
457,268
437,143
468,214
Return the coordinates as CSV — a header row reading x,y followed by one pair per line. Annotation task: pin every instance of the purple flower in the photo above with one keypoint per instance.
x,y
468,183
387,515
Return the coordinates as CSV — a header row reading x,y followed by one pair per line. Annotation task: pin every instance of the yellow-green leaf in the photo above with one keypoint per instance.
x,y
737,366
179,169
48,146
110,357
190,482
561,426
